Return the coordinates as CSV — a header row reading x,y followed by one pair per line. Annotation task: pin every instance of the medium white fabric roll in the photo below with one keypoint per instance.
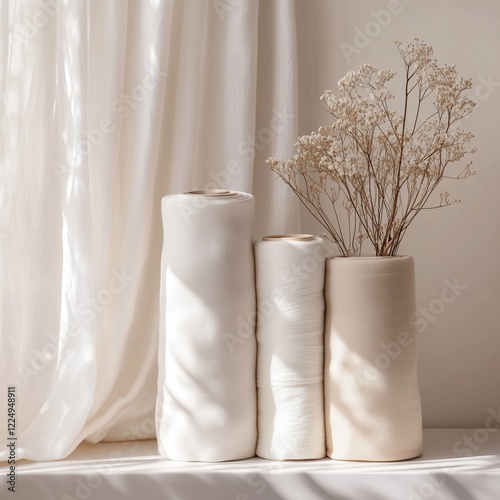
x,y
372,399
290,273
206,407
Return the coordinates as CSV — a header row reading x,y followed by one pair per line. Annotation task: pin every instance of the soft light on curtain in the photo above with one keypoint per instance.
x,y
105,107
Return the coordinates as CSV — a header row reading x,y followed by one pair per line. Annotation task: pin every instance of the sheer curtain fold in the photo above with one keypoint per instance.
x,y
277,116
106,107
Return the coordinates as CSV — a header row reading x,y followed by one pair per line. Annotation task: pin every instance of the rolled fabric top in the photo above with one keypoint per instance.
x,y
288,237
210,192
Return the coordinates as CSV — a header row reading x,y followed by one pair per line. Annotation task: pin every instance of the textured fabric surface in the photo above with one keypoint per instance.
x,y
207,401
106,107
290,277
372,398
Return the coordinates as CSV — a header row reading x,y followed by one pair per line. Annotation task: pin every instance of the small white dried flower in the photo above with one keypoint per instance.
x,y
381,164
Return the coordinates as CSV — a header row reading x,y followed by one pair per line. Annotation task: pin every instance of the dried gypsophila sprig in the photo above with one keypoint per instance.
x,y
381,167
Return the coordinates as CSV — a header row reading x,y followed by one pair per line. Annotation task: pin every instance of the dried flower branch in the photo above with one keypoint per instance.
x,y
379,166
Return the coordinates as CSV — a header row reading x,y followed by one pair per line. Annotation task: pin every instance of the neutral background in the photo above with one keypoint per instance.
x,y
459,351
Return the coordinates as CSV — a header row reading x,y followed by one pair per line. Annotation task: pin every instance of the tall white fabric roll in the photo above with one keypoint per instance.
x,y
206,407
290,273
372,399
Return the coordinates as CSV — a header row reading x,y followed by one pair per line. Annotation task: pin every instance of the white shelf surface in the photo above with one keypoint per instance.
x,y
134,470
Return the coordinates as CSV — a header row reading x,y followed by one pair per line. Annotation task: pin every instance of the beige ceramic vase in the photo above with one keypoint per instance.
x,y
372,400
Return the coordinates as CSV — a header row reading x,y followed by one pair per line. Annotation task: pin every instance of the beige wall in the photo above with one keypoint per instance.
x,y
459,350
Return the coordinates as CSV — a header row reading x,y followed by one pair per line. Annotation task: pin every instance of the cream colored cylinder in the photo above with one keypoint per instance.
x,y
290,279
372,399
207,398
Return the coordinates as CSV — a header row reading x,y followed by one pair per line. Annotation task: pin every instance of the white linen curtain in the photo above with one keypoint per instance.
x,y
106,106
